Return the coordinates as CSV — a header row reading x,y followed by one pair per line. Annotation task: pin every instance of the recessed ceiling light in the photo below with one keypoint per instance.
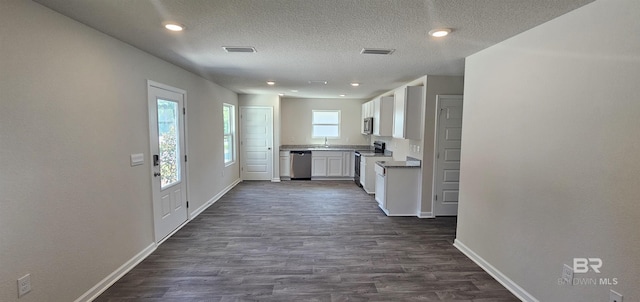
x,y
354,84
281,94
174,26
343,95
271,83
293,90
440,32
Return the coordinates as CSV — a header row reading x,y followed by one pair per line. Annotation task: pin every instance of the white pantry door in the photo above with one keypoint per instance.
x,y
256,128
166,129
447,173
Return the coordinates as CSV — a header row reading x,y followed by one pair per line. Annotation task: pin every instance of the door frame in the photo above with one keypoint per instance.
x,y
273,149
436,148
158,85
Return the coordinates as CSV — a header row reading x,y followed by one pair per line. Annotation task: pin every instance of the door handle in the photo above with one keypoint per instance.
x,y
156,160
269,148
156,174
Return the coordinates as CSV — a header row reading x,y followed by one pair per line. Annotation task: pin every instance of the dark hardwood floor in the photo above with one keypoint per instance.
x,y
307,241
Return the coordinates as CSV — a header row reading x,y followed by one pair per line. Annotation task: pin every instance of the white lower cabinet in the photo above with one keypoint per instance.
x,y
363,174
318,165
380,190
348,164
331,164
334,165
285,164
323,164
397,190
368,173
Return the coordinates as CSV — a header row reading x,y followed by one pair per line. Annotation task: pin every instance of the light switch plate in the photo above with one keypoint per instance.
x,y
24,285
137,159
567,274
614,296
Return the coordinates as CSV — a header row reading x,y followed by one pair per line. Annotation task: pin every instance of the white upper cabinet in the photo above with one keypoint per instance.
x,y
383,116
367,109
398,113
407,112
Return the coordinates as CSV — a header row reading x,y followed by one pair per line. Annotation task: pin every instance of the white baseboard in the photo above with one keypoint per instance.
x,y
275,180
509,284
426,215
211,201
103,285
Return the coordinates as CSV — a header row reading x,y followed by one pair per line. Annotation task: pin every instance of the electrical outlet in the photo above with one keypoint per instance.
x,y
614,296
567,274
24,285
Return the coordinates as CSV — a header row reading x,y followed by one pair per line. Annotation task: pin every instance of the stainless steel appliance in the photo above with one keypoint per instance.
x,y
368,125
378,148
300,165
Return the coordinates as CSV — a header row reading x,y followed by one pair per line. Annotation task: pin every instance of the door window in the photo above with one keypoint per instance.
x,y
168,140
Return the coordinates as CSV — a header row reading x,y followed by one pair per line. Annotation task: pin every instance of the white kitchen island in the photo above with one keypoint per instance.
x,y
397,187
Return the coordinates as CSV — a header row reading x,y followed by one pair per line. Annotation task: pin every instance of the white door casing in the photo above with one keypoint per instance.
x,y
168,149
256,144
447,168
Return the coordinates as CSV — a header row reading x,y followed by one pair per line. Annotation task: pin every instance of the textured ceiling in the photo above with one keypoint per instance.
x,y
299,40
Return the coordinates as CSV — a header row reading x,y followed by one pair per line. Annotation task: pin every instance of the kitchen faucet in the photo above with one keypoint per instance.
x,y
325,142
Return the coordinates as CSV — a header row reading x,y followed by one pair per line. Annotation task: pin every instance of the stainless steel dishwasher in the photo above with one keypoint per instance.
x,y
300,165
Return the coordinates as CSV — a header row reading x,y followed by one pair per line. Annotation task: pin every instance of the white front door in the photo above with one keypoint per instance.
x,y
256,129
447,173
166,127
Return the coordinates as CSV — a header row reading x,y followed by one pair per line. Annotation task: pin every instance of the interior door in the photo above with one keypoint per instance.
x,y
257,143
166,127
447,173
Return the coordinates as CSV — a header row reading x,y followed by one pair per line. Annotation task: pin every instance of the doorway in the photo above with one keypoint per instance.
x,y
168,164
447,168
256,129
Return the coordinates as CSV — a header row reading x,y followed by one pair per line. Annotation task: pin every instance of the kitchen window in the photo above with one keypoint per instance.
x,y
326,123
228,114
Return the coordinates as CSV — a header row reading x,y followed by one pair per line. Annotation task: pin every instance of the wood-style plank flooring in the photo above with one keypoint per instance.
x,y
307,241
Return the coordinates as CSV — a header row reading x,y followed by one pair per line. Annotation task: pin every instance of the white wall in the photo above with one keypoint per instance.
x,y
272,101
550,161
296,121
73,107
436,85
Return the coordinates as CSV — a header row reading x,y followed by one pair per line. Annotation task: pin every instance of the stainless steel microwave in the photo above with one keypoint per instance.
x,y
368,125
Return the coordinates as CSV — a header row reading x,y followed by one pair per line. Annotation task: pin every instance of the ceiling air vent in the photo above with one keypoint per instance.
x,y
376,51
318,82
239,49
